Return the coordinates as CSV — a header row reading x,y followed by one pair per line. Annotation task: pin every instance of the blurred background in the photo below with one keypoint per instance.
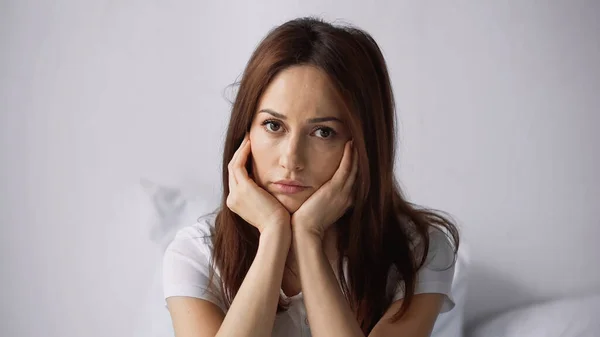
x,y
498,105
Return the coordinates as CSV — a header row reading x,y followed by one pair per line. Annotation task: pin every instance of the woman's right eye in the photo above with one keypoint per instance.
x,y
272,126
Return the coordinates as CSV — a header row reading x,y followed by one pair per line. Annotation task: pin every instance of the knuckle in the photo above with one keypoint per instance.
x,y
231,200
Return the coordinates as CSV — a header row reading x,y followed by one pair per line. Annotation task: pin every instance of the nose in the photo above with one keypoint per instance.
x,y
292,158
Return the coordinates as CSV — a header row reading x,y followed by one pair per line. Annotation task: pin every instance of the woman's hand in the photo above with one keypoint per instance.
x,y
247,199
331,200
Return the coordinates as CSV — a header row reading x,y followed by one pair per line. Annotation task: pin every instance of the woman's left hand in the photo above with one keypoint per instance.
x,y
331,200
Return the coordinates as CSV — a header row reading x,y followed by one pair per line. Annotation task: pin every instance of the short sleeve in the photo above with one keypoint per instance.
x,y
187,267
437,274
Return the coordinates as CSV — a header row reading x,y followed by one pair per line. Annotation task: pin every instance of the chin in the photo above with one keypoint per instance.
x,y
290,203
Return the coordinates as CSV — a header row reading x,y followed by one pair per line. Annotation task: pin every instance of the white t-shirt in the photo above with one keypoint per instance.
x,y
187,266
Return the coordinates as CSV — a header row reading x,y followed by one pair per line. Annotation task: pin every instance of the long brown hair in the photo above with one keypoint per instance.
x,y
382,229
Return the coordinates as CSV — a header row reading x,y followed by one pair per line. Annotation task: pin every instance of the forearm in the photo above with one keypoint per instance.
x,y
328,312
252,312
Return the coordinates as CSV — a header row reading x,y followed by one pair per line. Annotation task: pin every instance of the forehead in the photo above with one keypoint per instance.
x,y
302,91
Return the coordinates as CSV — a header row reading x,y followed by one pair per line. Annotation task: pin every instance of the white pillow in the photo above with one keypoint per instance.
x,y
569,317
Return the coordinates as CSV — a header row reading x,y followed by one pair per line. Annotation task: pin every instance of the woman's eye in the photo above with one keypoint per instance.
x,y
272,126
324,133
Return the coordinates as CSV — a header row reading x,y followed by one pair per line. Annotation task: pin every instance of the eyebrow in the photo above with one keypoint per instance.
x,y
310,120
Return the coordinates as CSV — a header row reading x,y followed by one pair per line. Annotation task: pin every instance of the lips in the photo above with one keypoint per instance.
x,y
289,186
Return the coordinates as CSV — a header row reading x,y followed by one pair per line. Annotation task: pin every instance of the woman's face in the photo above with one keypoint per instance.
x,y
297,135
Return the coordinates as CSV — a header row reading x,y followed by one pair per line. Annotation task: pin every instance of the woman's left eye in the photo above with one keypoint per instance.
x,y
325,132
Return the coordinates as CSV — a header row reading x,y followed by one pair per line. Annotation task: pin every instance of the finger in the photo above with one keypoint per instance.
x,y
231,165
354,171
239,167
239,149
341,174
231,180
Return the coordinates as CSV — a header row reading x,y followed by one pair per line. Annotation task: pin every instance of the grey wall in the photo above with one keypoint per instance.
x,y
498,103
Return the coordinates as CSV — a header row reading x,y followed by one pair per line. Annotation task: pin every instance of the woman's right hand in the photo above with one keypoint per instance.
x,y
250,201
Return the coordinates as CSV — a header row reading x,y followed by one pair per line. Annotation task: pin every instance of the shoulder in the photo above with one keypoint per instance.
x,y
187,263
198,235
436,275
441,253
192,247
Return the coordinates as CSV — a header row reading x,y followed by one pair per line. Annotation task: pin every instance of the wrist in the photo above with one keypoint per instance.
x,y
280,233
307,235
306,227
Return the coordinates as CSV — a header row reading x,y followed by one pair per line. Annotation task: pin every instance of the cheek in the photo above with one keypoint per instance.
x,y
324,166
323,174
262,156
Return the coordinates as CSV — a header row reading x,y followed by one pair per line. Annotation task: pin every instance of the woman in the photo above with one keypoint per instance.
x,y
314,235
